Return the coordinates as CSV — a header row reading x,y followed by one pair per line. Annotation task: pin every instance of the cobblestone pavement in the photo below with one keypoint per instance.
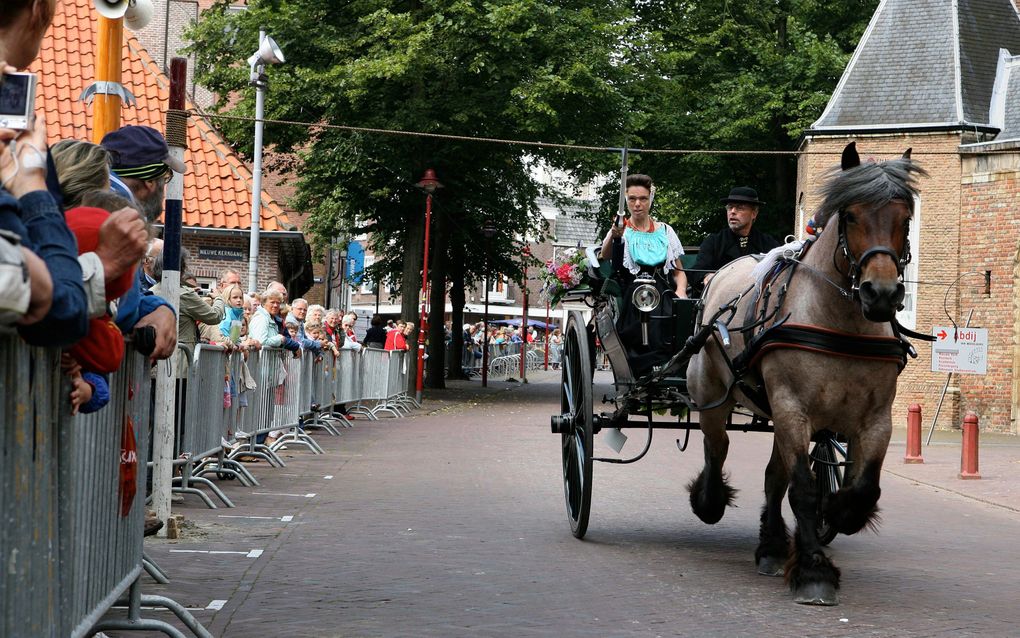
x,y
451,523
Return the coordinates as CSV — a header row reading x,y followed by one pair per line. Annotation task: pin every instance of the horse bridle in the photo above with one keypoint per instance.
x,y
857,265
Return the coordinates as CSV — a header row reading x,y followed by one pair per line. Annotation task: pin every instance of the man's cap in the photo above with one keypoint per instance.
x,y
742,195
140,152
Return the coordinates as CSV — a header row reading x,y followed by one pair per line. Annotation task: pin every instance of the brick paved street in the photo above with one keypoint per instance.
x,y
451,523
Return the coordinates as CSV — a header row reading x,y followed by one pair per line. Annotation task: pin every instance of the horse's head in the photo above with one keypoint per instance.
x,y
874,203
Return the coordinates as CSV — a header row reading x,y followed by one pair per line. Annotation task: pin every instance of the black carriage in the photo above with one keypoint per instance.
x,y
640,400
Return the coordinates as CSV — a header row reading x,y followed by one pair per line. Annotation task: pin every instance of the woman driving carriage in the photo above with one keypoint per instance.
x,y
650,247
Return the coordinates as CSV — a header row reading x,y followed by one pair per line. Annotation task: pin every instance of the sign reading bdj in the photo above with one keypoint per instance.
x,y
960,350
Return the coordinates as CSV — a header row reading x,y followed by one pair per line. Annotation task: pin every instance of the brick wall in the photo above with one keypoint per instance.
x,y
989,230
938,256
211,266
164,40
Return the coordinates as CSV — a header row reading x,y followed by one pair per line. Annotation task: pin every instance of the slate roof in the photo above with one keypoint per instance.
x,y
921,64
217,187
570,224
1009,100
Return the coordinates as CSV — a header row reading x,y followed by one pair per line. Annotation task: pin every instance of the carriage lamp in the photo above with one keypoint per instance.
x,y
646,299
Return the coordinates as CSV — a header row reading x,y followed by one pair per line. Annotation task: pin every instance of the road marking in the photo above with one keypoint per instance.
x,y
287,519
267,518
253,553
216,604
310,495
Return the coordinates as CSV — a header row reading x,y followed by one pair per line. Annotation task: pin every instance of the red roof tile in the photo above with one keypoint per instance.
x,y
217,187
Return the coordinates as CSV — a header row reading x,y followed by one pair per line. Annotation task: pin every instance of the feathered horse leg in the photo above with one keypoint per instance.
x,y
811,575
773,537
710,491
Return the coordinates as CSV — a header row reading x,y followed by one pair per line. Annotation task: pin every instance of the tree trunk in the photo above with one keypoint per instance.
x,y
436,364
410,281
457,301
410,287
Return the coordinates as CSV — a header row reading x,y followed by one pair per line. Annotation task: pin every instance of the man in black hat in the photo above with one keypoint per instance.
x,y
739,238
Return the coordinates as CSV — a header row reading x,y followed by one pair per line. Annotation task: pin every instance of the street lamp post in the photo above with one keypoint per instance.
x,y
524,318
268,53
547,335
429,184
489,231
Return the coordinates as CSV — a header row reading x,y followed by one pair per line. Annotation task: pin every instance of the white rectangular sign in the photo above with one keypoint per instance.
x,y
967,353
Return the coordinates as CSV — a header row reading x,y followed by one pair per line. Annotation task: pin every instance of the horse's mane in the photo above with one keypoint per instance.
x,y
871,183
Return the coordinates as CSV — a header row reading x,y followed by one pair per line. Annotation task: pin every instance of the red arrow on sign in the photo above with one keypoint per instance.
x,y
942,334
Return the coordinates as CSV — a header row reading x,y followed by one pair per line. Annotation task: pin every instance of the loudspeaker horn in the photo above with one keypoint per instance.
x,y
113,9
269,53
138,15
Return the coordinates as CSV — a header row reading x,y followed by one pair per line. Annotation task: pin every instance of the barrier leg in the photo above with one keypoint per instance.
x,y
135,622
215,489
154,570
913,454
969,449
240,469
266,455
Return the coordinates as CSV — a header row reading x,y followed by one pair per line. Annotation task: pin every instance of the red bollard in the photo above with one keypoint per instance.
x,y
969,451
913,454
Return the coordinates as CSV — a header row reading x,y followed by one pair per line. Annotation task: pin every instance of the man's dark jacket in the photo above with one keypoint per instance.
x,y
723,247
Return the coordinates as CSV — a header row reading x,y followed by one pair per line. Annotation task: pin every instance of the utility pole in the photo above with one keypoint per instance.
x,y
166,372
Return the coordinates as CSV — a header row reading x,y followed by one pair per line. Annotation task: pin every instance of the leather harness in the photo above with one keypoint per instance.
x,y
762,339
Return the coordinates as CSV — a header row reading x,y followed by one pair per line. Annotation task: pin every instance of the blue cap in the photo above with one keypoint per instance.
x,y
140,152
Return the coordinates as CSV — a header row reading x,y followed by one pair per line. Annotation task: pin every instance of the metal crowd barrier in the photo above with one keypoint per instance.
x,y
199,418
72,533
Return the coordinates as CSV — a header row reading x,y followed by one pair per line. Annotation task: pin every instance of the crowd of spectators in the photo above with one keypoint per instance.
x,y
502,340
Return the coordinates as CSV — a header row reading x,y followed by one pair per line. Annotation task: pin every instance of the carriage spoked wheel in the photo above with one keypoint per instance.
x,y
829,459
576,423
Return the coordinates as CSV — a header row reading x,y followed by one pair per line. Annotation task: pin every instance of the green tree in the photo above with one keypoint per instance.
x,y
522,69
719,75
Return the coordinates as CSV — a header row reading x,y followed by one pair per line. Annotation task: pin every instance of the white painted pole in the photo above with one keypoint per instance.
x,y
256,182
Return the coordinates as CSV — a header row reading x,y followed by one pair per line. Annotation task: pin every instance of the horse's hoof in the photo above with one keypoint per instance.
x,y
771,566
816,594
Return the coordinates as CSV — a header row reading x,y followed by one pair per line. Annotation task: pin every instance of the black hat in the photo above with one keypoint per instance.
x,y
743,195
140,152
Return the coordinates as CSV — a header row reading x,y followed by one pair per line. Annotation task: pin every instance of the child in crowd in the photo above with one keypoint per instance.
x,y
292,327
233,316
317,332
102,349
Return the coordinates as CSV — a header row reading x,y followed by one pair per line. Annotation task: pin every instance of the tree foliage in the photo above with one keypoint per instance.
x,y
520,69
721,75
705,75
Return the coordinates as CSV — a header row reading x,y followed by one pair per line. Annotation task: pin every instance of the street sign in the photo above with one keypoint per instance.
x,y
355,262
959,350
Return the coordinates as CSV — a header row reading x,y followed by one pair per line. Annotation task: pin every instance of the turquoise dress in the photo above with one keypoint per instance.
x,y
653,252
647,249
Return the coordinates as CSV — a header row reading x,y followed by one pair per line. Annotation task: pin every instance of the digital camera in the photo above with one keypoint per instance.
x,y
17,100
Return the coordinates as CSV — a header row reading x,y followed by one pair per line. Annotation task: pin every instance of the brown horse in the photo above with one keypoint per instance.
x,y
813,345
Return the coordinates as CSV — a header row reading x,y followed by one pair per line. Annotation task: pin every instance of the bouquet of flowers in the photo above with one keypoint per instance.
x,y
566,271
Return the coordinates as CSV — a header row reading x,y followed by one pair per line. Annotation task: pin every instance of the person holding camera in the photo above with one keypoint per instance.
x,y
57,312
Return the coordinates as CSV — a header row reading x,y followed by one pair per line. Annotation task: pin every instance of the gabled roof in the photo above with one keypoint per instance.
x,y
217,186
923,64
1005,108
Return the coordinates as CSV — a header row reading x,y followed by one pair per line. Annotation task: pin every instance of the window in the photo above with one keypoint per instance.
x,y
367,285
908,316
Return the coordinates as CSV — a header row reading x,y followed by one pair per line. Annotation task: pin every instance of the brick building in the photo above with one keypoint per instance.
x,y
936,76
217,186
